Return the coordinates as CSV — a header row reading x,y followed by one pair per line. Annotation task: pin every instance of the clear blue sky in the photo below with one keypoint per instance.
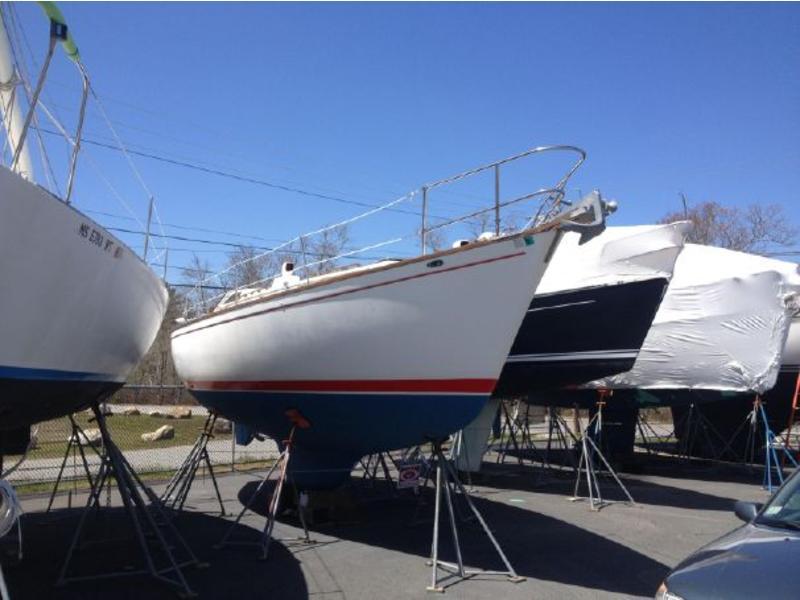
x,y
368,101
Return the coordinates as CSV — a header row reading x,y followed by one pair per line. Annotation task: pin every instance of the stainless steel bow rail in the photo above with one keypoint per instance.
x,y
418,203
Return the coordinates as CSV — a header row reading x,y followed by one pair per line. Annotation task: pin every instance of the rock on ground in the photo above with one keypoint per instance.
x,y
165,432
91,437
181,412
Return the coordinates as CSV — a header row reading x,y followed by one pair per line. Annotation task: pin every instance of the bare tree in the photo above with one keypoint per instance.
x,y
325,247
481,223
756,228
196,274
246,266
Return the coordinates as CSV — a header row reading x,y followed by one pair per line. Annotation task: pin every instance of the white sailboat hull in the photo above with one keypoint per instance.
x,y
377,360
78,309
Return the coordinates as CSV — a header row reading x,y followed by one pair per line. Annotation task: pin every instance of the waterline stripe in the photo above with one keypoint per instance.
x,y
52,374
463,386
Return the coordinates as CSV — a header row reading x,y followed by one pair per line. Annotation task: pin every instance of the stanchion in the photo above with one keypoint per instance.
x,y
281,465
145,521
586,464
75,447
177,490
447,483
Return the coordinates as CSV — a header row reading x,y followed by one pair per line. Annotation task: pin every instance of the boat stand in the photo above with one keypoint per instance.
x,y
369,476
587,464
698,425
447,483
518,432
74,447
558,429
759,426
263,543
174,496
144,519
648,435
792,420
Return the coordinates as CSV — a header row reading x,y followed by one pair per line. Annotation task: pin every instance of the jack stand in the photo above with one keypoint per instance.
x,y
12,512
447,481
587,464
697,423
771,447
557,427
264,541
75,446
369,477
518,424
174,497
792,416
648,434
142,517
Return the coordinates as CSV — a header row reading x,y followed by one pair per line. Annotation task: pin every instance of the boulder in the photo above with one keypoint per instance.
x,y
131,412
90,437
181,412
165,432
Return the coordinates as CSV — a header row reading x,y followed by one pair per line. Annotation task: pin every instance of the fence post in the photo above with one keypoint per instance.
x,y
233,450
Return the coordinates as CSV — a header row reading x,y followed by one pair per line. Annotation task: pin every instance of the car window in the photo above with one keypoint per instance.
x,y
785,505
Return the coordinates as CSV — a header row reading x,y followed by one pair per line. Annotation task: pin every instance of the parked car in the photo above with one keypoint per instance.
x,y
757,560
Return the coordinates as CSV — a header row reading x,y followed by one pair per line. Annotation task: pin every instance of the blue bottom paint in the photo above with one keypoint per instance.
x,y
7,372
344,427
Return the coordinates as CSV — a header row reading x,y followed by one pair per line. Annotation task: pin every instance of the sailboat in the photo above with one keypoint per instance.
x,y
375,357
78,308
593,308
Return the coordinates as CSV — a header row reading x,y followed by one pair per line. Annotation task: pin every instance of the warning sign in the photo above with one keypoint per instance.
x,y
408,475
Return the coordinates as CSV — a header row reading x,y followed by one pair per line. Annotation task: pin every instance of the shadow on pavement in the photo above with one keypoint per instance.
x,y
232,573
538,546
562,483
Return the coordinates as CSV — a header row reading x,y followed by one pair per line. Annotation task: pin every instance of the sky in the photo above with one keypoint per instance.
x,y
365,102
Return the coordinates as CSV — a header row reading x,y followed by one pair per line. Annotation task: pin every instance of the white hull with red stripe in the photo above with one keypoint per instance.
x,y
375,360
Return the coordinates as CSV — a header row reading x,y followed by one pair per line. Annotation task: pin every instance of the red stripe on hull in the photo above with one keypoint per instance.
x,y
468,386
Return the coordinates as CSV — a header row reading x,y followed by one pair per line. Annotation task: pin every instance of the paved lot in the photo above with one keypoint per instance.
x,y
561,547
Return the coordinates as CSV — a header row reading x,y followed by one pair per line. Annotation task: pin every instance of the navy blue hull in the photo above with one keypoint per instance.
x,y
345,427
727,413
26,401
574,337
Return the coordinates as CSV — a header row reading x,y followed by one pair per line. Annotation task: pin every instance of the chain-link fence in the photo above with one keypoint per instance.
x,y
155,426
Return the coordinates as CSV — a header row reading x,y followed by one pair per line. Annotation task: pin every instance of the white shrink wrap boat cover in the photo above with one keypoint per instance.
x,y
722,324
618,255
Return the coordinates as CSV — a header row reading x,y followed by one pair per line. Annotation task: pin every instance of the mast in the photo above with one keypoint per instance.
x,y
13,118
